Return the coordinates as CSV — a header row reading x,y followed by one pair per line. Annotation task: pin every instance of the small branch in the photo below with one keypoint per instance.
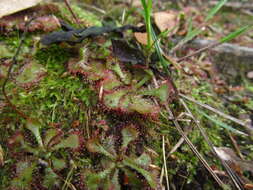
x,y
93,8
235,145
235,5
214,46
233,176
14,61
72,12
180,142
199,51
165,165
215,111
193,148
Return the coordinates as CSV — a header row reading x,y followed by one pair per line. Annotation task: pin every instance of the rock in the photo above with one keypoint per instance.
x,y
250,75
8,7
232,61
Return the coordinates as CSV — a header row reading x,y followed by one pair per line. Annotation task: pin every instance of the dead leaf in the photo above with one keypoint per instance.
x,y
142,38
165,20
1,156
228,155
248,186
135,3
125,53
8,7
45,23
45,20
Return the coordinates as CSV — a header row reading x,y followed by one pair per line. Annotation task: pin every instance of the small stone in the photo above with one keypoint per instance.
x,y
250,75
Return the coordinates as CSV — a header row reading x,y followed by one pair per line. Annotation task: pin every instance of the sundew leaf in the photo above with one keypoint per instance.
x,y
34,127
50,178
93,145
144,160
120,93
112,100
95,180
144,106
116,68
58,164
16,138
28,148
31,74
24,175
109,145
51,136
110,82
129,134
72,141
132,179
115,181
162,92
93,71
146,174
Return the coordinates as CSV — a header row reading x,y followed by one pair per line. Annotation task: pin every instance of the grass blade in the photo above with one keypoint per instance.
x,y
193,33
214,10
221,124
235,34
147,6
215,111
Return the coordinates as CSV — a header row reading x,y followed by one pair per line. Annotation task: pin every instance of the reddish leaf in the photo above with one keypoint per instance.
x,y
31,73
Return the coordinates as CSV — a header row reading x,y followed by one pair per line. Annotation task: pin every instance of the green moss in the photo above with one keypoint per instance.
x,y
82,14
58,97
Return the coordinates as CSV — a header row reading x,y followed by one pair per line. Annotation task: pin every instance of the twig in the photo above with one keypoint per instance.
x,y
165,166
14,62
236,180
235,145
235,5
215,111
199,51
202,27
179,143
72,12
91,7
193,148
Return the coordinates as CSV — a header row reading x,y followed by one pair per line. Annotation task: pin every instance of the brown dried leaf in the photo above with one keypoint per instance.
x,y
165,20
45,21
248,186
142,38
236,163
135,3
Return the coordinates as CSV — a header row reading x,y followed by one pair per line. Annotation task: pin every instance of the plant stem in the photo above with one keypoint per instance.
x,y
147,6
